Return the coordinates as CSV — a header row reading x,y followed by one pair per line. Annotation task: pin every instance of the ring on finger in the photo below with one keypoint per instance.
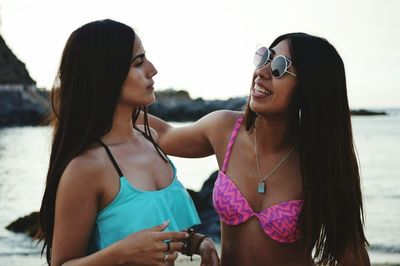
x,y
165,256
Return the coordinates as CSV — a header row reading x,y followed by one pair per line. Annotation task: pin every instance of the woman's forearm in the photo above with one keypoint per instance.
x,y
108,256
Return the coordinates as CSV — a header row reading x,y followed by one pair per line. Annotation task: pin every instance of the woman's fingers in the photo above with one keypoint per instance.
x,y
159,228
171,235
167,257
172,256
183,239
167,235
173,246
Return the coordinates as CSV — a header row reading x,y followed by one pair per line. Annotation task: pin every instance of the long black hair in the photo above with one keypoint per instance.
x,y
94,64
332,218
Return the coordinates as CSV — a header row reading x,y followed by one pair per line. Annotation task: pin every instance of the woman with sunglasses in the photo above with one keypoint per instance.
x,y
288,190
112,196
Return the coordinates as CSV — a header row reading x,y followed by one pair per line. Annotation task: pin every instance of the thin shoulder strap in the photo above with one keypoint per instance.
x,y
230,145
111,158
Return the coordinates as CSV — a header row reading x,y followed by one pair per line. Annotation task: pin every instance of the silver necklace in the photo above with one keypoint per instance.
x,y
261,184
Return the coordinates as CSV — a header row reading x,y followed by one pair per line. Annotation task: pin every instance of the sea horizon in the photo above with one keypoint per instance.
x,y
24,155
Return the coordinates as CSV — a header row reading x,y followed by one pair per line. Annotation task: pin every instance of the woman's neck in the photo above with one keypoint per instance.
x,y
122,130
276,133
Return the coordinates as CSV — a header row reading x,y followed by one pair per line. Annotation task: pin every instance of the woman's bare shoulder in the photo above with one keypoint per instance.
x,y
86,168
218,125
224,118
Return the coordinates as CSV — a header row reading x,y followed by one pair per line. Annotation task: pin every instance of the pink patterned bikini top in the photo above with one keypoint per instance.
x,y
279,222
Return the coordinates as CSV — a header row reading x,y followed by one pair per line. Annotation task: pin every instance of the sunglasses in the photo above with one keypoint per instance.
x,y
279,64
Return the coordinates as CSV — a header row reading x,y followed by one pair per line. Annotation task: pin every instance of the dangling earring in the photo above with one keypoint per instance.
x,y
299,116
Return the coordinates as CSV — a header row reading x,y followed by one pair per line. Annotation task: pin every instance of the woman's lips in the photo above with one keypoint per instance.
x,y
259,91
151,86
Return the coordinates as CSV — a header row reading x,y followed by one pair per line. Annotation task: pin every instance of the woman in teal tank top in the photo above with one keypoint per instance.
x,y
112,196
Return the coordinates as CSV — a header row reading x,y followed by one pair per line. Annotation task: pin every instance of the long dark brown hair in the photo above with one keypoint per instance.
x,y
332,218
94,64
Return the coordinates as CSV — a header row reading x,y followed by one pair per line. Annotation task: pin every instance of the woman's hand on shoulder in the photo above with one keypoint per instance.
x,y
149,247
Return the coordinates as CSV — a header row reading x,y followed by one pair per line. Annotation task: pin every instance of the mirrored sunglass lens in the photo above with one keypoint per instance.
x,y
278,66
261,56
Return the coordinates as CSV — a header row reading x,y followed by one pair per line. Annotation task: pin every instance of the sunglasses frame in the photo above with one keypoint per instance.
x,y
288,62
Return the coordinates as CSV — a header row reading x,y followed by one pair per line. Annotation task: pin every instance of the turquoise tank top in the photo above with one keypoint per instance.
x,y
133,210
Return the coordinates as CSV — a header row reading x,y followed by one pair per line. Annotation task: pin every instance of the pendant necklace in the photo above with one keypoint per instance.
x,y
261,184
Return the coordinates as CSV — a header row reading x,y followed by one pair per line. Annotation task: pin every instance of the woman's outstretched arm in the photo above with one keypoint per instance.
x,y
190,141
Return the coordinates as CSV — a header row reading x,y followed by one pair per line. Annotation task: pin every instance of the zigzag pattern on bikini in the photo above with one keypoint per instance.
x,y
279,222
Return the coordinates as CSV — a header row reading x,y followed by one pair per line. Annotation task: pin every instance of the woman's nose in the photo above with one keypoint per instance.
x,y
153,71
264,71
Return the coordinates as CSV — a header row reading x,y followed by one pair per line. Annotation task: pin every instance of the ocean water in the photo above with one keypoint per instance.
x,y
24,153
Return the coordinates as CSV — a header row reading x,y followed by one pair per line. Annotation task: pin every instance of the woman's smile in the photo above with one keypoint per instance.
x,y
260,92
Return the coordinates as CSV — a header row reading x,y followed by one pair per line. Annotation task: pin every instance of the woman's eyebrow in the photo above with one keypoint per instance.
x,y
138,56
272,51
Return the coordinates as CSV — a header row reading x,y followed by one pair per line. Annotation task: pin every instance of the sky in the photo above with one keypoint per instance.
x,y
206,47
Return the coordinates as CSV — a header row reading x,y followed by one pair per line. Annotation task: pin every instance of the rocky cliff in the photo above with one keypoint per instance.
x,y
178,106
20,108
20,102
12,70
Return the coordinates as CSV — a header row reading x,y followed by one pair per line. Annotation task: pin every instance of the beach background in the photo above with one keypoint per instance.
x,y
206,48
24,153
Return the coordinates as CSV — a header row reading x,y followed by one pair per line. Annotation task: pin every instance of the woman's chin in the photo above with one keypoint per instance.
x,y
149,101
256,107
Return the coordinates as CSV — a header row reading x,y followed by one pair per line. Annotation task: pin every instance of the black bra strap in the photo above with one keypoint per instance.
x,y
111,158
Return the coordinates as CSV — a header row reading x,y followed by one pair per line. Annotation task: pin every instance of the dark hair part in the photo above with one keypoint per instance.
x,y
94,64
332,218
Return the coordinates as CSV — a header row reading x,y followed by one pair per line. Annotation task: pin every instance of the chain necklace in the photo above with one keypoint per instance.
x,y
261,184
